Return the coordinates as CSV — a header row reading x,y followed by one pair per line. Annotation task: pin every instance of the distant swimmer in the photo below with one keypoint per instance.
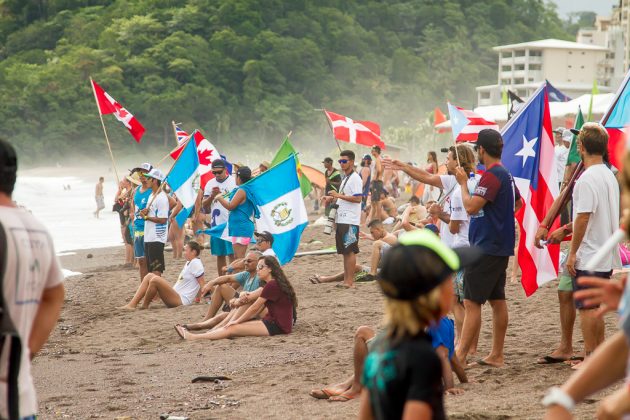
x,y
98,195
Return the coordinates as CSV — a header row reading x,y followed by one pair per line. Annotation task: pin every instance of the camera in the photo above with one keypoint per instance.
x,y
444,150
328,226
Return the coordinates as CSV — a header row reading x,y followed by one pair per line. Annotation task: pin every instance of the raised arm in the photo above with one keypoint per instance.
x,y
418,174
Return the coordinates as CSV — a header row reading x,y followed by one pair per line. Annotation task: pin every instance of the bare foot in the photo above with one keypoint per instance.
x,y
315,279
454,391
487,362
128,308
181,331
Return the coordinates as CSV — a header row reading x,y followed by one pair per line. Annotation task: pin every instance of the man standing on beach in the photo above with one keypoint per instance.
x,y
348,215
333,180
222,183
98,196
32,291
491,207
377,183
155,223
139,203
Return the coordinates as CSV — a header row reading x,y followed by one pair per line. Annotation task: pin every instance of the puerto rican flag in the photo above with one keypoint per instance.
x,y
108,105
466,124
206,152
528,153
366,133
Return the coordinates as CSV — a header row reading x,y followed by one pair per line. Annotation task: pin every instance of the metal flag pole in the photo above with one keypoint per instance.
x,y
105,132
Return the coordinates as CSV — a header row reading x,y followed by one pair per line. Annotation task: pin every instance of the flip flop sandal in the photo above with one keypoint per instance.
x,y
214,379
182,334
325,394
314,279
342,398
550,360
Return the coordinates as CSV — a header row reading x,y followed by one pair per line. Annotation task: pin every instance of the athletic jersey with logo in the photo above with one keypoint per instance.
x,y
157,232
140,201
219,213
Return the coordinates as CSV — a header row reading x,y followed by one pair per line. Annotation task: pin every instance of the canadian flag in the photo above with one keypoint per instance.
x,y
366,133
206,152
108,105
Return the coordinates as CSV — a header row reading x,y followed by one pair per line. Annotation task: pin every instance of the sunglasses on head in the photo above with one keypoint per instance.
x,y
343,161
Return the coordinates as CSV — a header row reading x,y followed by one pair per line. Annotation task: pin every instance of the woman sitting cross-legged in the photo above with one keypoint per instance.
x,y
186,290
277,299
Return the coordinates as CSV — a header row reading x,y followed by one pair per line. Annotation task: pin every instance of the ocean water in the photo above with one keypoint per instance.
x,y
68,214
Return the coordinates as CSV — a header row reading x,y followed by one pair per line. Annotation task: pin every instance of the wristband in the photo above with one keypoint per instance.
x,y
229,270
543,226
556,396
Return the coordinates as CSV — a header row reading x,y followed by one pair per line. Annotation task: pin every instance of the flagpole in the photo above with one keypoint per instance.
x,y
448,106
105,132
331,127
174,131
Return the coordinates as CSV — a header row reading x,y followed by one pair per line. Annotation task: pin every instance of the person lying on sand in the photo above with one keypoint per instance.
x,y
443,341
277,298
186,290
224,288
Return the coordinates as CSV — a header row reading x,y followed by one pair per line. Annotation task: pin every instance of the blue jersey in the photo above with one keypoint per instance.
x,y
140,201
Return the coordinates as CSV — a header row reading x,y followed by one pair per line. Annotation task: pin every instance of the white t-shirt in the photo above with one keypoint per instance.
x,y
350,213
187,285
270,252
154,232
32,267
597,192
219,213
449,185
458,212
561,154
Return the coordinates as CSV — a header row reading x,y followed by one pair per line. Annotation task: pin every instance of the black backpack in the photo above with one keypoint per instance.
x,y
8,332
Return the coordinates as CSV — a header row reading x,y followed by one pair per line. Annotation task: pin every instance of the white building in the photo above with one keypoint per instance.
x,y
609,32
569,66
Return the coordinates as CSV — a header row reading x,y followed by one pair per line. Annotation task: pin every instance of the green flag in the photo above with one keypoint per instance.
x,y
594,91
286,150
574,156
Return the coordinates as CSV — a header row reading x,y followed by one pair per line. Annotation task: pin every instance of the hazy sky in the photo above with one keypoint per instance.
x,y
601,7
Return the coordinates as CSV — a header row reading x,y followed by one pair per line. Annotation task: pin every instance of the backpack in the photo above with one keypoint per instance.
x,y
9,332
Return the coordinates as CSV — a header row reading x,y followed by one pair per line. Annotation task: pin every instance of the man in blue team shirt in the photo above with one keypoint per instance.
x,y
139,203
491,206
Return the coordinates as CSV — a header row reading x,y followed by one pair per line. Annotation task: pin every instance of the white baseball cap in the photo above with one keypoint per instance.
x,y
155,173
145,166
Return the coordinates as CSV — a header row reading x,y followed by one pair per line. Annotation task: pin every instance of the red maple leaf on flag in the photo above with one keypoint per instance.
x,y
205,156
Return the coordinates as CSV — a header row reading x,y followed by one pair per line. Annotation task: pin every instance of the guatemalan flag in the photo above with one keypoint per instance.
x,y
181,177
528,153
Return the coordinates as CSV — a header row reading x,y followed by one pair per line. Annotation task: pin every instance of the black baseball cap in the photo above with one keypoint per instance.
x,y
367,157
244,172
327,160
404,275
489,139
218,164
265,235
8,167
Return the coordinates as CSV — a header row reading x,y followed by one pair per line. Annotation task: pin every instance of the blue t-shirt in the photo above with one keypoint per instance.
x,y
492,228
443,334
240,222
140,201
247,282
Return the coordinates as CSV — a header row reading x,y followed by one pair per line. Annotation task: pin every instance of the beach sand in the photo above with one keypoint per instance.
x,y
102,362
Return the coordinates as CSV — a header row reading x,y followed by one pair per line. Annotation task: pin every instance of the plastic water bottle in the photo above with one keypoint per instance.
x,y
472,186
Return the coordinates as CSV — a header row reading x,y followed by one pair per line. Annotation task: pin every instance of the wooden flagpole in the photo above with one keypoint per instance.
x,y
105,132
175,132
330,125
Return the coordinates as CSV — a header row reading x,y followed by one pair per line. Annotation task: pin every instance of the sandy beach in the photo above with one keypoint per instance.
x,y
102,362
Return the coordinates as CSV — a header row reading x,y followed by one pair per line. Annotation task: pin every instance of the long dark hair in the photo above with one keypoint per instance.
x,y
278,275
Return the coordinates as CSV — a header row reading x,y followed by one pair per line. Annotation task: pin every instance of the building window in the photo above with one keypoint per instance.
x,y
506,68
535,67
519,81
519,53
531,79
519,67
535,53
484,95
505,81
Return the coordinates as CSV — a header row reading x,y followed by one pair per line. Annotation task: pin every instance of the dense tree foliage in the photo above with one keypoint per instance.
x,y
245,69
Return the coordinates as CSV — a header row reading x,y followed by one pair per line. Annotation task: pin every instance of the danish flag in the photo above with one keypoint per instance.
x,y
108,105
366,133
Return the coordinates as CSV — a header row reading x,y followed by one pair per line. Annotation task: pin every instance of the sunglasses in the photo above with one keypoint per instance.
x,y
217,172
343,161
261,266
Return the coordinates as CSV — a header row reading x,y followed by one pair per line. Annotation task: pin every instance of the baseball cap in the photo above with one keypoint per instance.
x,y
266,164
145,166
586,125
218,164
489,138
559,130
327,160
244,172
419,263
155,173
265,235
367,157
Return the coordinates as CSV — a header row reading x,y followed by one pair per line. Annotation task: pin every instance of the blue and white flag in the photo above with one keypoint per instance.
x,y
218,231
180,179
276,192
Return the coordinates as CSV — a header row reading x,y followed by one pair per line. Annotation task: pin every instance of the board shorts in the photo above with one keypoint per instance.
x,y
220,247
579,304
347,238
138,245
377,190
486,280
154,253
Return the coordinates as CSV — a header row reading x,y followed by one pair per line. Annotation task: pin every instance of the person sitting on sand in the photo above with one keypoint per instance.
x,y
277,298
186,290
442,339
224,288
413,215
383,240
402,376
264,242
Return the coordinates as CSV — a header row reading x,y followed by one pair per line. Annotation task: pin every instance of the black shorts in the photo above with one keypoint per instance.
x,y
347,238
580,273
377,190
154,254
272,327
486,279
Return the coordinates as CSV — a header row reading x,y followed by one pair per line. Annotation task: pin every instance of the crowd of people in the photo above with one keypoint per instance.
x,y
444,252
